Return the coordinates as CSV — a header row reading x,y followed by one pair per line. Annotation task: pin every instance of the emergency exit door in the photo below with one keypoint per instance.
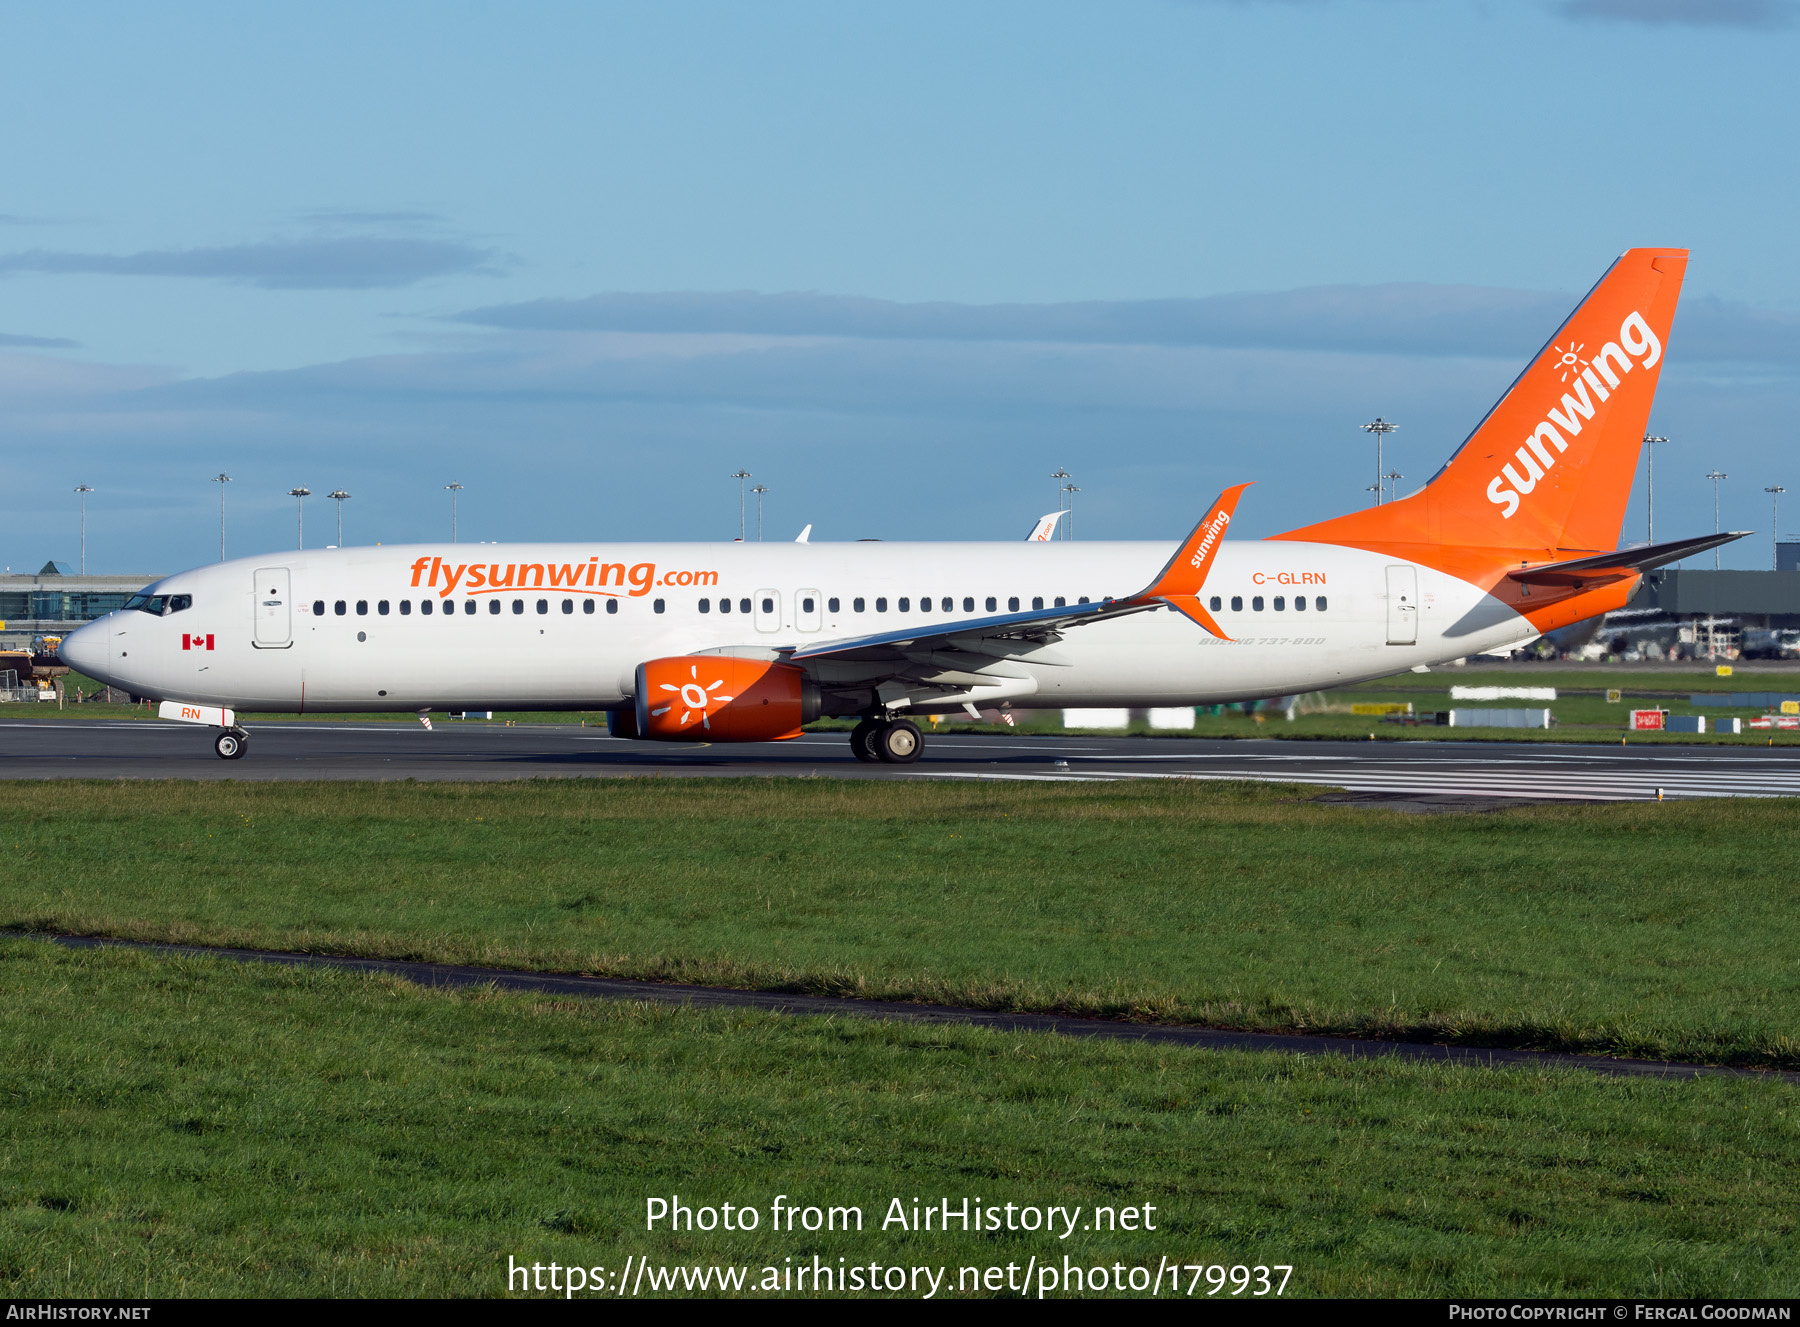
x,y
274,620
1402,605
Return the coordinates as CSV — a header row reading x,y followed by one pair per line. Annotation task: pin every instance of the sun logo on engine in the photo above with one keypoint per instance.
x,y
1570,361
697,701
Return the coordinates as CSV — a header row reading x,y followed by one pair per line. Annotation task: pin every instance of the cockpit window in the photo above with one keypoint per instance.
x,y
148,603
177,602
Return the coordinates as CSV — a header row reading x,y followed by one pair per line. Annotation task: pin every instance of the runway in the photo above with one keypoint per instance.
x,y
1431,774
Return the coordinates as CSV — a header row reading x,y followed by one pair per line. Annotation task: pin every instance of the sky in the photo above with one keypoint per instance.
x,y
899,261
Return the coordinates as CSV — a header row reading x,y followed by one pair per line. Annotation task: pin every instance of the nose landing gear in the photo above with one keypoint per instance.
x,y
890,741
232,744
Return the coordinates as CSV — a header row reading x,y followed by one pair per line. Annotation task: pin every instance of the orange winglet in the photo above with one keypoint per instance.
x,y
1180,581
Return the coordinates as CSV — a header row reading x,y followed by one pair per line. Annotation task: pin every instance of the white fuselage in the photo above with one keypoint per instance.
x,y
348,629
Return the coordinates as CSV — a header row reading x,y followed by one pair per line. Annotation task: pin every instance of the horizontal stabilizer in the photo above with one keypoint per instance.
x,y
1626,562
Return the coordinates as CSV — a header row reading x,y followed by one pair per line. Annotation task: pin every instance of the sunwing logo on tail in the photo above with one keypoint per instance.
x,y
1592,382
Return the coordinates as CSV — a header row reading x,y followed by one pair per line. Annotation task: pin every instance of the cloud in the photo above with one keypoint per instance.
x,y
38,342
1697,13
327,216
1411,319
348,263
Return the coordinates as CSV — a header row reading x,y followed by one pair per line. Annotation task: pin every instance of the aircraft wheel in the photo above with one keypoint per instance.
x,y
862,740
898,742
231,746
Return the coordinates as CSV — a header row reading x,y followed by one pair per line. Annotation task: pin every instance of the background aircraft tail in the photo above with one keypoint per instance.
x,y
1552,464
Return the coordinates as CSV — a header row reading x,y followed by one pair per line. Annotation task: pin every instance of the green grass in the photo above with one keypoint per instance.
x,y
1661,930
197,1127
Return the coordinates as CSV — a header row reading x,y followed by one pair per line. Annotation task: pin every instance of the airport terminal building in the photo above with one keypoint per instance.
x,y
54,601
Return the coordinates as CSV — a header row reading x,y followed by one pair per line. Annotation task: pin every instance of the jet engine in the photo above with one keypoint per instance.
x,y
717,698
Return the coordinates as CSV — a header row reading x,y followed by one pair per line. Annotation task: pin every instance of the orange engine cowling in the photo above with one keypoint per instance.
x,y
716,698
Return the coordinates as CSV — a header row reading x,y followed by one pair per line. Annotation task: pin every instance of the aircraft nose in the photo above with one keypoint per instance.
x,y
84,650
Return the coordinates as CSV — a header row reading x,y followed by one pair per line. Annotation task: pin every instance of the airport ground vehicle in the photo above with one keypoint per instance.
x,y
1515,536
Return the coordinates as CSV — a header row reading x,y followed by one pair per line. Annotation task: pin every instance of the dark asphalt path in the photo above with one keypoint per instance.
x,y
1454,771
714,997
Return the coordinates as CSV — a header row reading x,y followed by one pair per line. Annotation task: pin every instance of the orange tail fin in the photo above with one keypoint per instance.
x,y
1552,465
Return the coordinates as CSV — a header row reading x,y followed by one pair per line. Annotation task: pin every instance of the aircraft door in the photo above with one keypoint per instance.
x,y
808,614
1402,605
768,610
274,612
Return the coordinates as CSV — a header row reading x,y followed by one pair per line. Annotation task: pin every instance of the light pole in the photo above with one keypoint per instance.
x,y
1650,441
1775,523
339,495
1394,477
1061,476
741,476
454,490
1380,428
300,495
1716,476
84,490
759,490
1069,525
221,479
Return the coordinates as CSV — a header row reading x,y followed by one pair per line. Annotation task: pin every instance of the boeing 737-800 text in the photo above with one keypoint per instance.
x,y
740,642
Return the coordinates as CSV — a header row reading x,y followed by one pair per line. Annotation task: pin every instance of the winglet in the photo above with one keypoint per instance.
x,y
1045,528
1180,581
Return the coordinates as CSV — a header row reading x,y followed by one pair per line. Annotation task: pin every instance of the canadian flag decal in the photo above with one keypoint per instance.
x,y
196,642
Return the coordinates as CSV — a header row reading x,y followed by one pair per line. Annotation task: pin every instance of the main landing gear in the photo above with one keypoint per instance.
x,y
232,744
890,741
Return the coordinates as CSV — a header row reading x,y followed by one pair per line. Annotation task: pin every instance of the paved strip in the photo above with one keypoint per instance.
x,y
716,997
475,751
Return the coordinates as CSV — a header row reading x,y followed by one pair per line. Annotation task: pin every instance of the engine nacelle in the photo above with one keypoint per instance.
x,y
717,698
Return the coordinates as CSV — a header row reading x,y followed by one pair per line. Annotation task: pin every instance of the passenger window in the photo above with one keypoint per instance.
x,y
518,605
406,608
1037,601
949,604
1217,603
806,604
468,608
1299,603
318,608
425,607
743,605
992,603
340,607
659,605
856,605
706,605
905,604
568,605
1256,603
881,605
1082,600
362,607
587,606
493,607
724,605
612,605
1061,602
543,605
1319,602
968,604
1237,603
768,606
925,604
831,605
382,607
1012,604
1280,604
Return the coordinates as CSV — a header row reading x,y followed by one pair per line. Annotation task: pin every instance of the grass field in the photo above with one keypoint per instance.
x,y
1661,930
198,1127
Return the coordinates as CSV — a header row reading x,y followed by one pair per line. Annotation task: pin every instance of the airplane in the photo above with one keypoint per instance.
x,y
1514,537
